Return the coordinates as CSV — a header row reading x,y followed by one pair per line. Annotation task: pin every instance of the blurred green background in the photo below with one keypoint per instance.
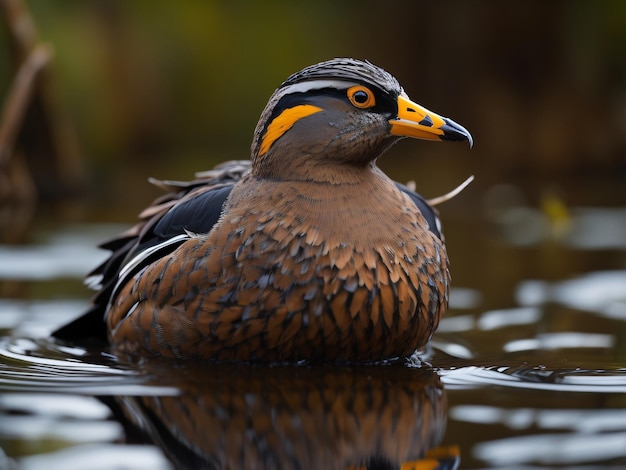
x,y
156,88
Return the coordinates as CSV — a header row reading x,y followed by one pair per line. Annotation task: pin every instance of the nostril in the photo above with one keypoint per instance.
x,y
427,121
411,110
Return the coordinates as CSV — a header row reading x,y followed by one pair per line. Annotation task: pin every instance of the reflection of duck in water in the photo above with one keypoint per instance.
x,y
292,417
308,252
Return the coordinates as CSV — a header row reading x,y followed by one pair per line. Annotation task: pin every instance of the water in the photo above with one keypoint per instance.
x,y
527,370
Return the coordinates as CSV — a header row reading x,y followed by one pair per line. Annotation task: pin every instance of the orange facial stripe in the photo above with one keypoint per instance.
x,y
283,122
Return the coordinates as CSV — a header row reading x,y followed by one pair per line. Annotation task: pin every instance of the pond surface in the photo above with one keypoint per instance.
x,y
527,370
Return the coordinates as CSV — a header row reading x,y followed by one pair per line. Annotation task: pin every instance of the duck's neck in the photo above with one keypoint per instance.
x,y
314,170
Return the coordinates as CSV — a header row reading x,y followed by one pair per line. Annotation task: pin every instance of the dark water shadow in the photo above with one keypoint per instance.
x,y
291,417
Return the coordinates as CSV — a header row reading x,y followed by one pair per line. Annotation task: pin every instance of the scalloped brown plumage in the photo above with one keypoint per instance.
x,y
276,280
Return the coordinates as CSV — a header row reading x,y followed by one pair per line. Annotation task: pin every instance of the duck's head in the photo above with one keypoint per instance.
x,y
337,113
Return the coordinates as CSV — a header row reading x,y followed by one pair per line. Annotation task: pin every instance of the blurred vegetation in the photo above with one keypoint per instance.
x,y
163,89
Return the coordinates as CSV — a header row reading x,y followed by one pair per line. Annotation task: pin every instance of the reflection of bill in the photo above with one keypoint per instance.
x,y
293,417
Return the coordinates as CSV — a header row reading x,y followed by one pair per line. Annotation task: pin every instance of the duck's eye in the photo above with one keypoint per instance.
x,y
361,97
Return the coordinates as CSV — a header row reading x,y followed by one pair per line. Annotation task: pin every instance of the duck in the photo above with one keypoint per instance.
x,y
306,252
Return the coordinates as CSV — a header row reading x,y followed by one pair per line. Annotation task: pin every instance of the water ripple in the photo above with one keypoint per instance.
x,y
536,378
43,365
